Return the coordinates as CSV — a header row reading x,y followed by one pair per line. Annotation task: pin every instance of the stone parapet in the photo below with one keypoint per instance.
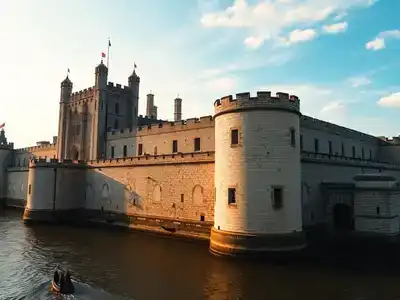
x,y
163,127
180,158
313,157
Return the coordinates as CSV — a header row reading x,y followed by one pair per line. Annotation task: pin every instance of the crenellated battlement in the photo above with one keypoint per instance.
x,y
195,157
116,87
36,148
164,127
264,100
35,162
82,94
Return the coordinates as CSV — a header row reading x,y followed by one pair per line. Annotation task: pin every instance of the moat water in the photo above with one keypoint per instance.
x,y
120,265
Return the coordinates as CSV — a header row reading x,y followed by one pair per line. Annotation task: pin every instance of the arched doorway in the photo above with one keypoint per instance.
x,y
343,217
74,153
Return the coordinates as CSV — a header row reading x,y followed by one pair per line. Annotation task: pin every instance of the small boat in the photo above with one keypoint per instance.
x,y
169,229
62,283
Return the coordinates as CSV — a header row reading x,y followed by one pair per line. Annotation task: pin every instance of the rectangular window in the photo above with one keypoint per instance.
x,y
174,146
370,154
112,151
29,189
234,136
116,108
155,150
231,196
301,142
182,198
362,153
354,151
292,137
125,150
343,152
277,197
316,146
140,149
197,144
330,147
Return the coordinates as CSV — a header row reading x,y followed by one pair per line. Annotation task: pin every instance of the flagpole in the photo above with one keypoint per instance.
x,y
108,52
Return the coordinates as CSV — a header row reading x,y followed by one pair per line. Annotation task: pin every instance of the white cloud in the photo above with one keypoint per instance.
x,y
253,42
297,36
222,84
271,19
336,28
393,100
379,42
359,81
376,44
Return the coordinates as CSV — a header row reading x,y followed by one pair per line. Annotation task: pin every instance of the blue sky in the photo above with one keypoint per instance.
x,y
341,57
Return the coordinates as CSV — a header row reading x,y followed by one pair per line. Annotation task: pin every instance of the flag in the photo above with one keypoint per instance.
x,y
2,125
134,65
68,70
103,54
109,43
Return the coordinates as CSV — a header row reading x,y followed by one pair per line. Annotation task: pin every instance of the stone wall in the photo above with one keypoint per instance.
x,y
171,186
318,169
17,182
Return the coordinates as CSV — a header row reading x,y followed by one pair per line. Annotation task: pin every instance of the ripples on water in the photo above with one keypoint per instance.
x,y
115,265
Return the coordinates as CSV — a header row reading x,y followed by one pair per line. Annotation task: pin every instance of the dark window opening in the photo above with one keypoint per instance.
x,y
316,146
330,147
125,150
155,150
112,151
116,124
362,153
370,154
202,218
140,149
182,198
354,151
343,152
116,108
277,197
378,210
234,136
292,137
174,146
301,142
231,196
29,189
197,144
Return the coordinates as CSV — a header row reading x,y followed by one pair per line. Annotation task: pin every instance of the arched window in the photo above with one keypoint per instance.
x,y
197,195
157,194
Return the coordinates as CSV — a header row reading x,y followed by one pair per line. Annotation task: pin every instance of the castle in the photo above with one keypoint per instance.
x,y
250,179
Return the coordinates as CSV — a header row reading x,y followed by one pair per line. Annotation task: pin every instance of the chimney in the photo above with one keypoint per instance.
x,y
178,109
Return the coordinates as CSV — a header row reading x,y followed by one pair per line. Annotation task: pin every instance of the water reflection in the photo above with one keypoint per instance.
x,y
111,265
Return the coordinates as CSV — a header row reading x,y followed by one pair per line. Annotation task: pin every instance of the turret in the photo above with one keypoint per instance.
x,y
63,119
257,175
134,82
149,105
177,109
6,159
99,127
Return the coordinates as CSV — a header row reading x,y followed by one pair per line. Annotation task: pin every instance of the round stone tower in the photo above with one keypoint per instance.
x,y
257,175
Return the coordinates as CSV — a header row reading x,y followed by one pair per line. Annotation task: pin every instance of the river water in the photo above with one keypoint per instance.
x,y
120,265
